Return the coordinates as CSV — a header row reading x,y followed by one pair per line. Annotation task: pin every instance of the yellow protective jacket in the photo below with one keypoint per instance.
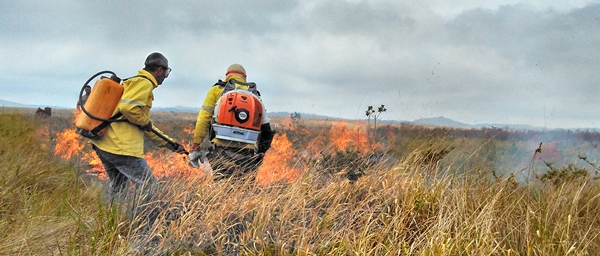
x,y
126,138
205,115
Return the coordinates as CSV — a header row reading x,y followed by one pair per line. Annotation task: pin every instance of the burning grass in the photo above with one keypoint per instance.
x,y
433,199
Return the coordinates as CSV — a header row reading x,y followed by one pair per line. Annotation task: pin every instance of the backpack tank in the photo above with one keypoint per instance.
x,y
101,104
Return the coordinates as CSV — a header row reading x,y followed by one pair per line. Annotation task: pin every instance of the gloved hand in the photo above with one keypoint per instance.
x,y
147,127
176,147
197,157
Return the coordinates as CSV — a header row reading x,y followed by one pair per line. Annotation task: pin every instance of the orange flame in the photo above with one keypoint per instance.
x,y
276,164
68,144
189,129
287,122
282,163
342,138
165,163
95,164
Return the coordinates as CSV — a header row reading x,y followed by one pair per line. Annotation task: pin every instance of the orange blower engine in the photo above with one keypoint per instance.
x,y
97,112
238,117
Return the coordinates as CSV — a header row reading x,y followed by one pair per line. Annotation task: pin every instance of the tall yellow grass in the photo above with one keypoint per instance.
x,y
407,209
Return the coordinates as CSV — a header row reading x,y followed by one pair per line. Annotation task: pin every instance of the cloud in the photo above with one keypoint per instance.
x,y
498,61
550,53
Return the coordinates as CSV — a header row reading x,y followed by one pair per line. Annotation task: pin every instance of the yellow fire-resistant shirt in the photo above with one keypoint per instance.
x,y
126,138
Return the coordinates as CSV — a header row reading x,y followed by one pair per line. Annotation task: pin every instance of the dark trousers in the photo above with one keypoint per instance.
x,y
228,162
122,169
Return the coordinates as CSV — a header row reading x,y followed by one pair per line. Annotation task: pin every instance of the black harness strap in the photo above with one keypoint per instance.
x,y
107,123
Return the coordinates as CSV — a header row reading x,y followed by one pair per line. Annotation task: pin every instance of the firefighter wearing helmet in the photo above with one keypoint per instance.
x,y
229,154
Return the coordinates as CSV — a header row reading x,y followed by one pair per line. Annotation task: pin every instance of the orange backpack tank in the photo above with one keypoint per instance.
x,y
97,113
99,107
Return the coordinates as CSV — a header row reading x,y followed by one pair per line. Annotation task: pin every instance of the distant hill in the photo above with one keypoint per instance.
x,y
11,104
303,115
6,103
511,126
177,109
441,121
434,121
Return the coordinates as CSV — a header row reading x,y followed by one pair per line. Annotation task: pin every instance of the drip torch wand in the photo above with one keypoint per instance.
x,y
167,140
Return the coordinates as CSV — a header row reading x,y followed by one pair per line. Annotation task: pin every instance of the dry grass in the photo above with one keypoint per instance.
x,y
406,209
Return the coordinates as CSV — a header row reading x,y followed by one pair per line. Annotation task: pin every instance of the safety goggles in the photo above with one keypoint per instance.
x,y
167,71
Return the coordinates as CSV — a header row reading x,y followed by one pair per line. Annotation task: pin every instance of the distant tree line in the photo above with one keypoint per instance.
x,y
501,134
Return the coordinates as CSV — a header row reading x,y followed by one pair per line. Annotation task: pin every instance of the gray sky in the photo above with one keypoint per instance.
x,y
499,61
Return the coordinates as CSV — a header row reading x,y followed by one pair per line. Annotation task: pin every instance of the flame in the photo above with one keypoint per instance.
x,y
165,163
282,163
189,129
287,122
343,137
276,164
95,164
68,144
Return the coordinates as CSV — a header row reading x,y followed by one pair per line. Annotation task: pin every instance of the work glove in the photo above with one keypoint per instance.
x,y
197,157
176,147
147,127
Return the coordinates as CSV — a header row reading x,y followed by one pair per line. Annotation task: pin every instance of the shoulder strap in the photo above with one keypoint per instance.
x,y
115,118
230,86
107,123
220,83
141,77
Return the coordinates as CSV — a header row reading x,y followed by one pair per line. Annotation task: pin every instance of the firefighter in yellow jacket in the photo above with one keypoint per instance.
x,y
228,158
121,148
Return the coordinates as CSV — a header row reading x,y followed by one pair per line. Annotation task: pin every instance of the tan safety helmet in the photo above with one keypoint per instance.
x,y
236,69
